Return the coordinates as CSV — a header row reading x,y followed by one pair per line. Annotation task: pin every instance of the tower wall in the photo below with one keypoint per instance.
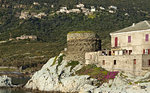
x,y
80,43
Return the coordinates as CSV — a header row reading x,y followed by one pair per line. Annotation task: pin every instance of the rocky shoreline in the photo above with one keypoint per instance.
x,y
58,76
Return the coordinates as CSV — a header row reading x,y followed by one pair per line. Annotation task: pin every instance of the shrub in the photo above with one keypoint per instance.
x,y
72,64
98,73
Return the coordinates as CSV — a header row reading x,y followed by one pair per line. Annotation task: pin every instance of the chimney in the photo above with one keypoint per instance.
x,y
133,24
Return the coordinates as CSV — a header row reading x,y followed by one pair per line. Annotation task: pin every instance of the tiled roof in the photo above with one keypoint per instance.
x,y
135,27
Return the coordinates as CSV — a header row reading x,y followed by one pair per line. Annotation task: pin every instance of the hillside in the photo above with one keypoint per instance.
x,y
41,18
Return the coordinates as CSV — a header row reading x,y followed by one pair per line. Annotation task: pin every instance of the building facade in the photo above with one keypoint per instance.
x,y
130,50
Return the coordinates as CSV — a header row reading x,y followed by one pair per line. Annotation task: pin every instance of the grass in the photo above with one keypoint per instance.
x,y
54,62
93,71
8,69
60,59
72,64
142,81
92,16
97,72
29,54
80,32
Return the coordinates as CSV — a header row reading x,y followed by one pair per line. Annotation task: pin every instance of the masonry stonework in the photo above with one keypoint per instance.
x,y
78,43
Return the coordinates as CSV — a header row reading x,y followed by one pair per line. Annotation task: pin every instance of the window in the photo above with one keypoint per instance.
x,y
129,39
146,37
116,41
130,51
148,51
114,62
149,62
126,51
134,61
103,62
109,53
143,51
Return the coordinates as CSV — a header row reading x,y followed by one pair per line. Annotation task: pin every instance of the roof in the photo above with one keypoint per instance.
x,y
144,25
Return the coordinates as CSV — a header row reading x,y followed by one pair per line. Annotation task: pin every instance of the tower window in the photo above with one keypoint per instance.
x,y
115,62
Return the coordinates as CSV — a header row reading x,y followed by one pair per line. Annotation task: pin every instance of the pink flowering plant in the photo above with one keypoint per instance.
x,y
98,73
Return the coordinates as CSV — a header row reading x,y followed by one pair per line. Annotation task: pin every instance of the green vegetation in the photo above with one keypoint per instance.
x,y
60,59
8,69
94,72
130,83
72,64
145,81
98,73
52,29
80,32
124,76
31,55
54,60
92,16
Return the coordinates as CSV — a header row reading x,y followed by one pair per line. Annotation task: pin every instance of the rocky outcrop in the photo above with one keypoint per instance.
x,y
5,81
125,83
56,75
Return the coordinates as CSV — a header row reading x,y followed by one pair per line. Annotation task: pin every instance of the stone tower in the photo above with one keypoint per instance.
x,y
80,42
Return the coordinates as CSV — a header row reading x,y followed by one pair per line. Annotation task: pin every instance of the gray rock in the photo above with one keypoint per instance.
x,y
5,81
54,77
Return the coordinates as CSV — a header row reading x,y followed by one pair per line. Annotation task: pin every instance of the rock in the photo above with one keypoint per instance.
x,y
5,81
142,78
125,85
55,75
87,88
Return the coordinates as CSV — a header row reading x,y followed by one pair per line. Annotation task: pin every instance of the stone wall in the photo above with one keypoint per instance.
x,y
146,60
133,64
80,35
80,43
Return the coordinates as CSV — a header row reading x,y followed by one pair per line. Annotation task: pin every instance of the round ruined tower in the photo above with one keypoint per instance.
x,y
80,42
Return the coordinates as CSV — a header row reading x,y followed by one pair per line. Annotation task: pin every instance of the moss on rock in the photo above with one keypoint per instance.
x,y
80,32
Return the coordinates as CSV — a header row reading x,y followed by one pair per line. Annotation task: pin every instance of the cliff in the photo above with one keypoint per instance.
x,y
57,75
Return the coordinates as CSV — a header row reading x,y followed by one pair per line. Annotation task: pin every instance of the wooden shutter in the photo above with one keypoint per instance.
x,y
129,39
134,61
148,51
143,51
146,37
116,41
